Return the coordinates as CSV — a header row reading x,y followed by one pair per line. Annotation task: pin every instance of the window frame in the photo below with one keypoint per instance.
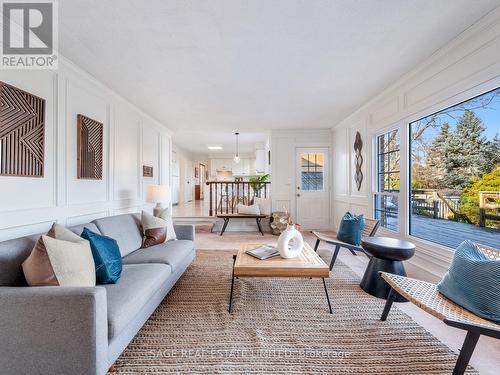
x,y
375,167
323,172
443,105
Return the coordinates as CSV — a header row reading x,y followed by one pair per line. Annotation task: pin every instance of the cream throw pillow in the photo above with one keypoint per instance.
x,y
264,205
60,258
248,210
165,215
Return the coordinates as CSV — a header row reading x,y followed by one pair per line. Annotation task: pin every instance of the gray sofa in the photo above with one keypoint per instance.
x,y
71,330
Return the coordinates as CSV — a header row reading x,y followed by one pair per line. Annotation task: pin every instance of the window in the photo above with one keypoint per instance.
x,y
312,171
388,179
455,173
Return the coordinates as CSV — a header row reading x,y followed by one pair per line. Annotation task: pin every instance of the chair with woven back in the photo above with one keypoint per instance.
x,y
369,230
426,296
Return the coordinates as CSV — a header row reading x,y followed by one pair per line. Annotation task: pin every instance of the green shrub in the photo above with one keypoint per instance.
x,y
469,199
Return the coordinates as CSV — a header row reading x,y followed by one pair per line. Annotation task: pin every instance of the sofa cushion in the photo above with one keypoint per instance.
x,y
12,255
138,283
172,253
78,229
124,229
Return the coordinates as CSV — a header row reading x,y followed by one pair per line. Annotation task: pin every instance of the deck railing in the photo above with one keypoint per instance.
x,y
432,203
226,195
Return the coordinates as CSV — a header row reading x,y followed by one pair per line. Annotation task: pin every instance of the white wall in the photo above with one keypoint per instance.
x,y
131,138
283,145
466,67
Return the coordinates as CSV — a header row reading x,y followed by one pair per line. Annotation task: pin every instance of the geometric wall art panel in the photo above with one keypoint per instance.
x,y
89,148
22,132
358,160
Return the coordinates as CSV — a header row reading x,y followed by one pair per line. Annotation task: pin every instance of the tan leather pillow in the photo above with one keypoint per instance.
x,y
154,229
61,258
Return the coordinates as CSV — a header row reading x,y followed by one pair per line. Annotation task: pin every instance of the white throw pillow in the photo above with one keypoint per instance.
x,y
165,215
60,258
264,205
248,210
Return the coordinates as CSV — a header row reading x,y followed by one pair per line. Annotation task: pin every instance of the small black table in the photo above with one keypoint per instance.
x,y
387,255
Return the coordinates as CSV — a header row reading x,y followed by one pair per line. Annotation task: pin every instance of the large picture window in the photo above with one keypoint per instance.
x,y
455,173
388,179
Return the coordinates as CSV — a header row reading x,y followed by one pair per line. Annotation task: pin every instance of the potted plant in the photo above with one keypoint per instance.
x,y
256,183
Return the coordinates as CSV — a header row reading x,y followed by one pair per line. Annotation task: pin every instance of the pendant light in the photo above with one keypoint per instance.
x,y
237,156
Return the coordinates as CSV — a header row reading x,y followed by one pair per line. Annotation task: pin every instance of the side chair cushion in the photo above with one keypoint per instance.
x,y
473,282
351,229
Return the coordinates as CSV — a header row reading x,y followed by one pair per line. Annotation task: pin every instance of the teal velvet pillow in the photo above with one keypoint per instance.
x,y
107,257
473,282
351,229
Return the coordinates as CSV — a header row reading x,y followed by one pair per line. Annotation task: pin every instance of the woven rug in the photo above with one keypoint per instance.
x,y
278,326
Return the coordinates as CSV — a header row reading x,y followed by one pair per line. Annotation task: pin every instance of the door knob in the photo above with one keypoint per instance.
x,y
298,195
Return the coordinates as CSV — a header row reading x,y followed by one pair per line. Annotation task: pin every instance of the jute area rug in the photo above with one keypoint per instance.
x,y
278,326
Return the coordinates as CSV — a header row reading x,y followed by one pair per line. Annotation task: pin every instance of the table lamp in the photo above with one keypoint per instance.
x,y
158,194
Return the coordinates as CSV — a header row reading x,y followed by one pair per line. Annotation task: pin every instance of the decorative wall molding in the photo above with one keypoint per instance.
x,y
466,67
30,205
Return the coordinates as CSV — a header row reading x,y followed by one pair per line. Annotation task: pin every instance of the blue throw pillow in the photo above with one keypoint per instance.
x,y
351,229
473,282
107,257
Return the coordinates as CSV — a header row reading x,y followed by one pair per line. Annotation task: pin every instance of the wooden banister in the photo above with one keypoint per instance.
x,y
225,195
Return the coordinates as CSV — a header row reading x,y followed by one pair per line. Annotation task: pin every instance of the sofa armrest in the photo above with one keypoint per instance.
x,y
184,231
53,330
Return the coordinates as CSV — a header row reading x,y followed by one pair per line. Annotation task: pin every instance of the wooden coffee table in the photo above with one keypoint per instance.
x,y
307,265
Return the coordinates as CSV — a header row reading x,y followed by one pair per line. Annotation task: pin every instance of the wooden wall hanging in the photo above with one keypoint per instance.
x,y
147,171
89,148
22,132
358,145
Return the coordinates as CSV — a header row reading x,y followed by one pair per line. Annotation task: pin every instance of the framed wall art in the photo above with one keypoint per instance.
x,y
22,132
89,148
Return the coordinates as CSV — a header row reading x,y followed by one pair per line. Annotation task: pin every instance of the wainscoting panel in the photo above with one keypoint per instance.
x,y
126,154
33,192
88,102
466,67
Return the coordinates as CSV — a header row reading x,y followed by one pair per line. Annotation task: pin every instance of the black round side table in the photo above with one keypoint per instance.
x,y
387,255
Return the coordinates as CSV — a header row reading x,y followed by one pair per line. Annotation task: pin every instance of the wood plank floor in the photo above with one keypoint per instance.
x,y
452,233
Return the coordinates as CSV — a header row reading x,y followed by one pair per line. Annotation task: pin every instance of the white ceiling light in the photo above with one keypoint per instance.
x,y
215,147
237,156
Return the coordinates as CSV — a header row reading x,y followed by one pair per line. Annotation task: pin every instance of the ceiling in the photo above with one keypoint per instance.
x,y
256,65
197,142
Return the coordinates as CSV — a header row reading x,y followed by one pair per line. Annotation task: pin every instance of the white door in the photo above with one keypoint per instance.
x,y
312,190
189,187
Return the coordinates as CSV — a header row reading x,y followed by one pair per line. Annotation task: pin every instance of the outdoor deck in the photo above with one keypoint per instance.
x,y
451,233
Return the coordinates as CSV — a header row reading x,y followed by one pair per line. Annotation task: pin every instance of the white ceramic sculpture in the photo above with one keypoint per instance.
x,y
290,234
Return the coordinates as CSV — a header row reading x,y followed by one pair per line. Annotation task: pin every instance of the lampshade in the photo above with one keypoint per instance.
x,y
157,194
